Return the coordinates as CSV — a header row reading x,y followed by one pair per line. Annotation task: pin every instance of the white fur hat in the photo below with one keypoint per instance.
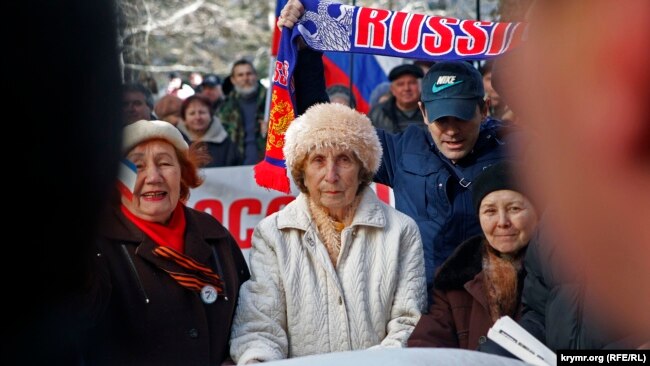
x,y
332,125
143,130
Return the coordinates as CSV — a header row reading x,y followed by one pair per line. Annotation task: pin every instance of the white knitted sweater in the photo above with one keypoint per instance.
x,y
297,303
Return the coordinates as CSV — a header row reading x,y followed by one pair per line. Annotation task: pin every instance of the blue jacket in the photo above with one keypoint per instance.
x,y
427,189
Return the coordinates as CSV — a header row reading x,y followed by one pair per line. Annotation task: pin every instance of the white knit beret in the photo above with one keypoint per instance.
x,y
332,125
143,130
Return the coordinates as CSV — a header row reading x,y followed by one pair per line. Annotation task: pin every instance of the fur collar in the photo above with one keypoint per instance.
x,y
462,265
502,282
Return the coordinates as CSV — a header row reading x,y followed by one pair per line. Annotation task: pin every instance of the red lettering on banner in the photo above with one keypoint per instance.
x,y
497,38
441,42
277,203
475,43
234,219
213,207
405,30
373,34
235,211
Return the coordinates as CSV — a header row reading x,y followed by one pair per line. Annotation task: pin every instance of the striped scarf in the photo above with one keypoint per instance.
x,y
195,276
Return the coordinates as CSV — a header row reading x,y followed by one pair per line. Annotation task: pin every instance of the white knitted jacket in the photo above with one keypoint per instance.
x,y
297,303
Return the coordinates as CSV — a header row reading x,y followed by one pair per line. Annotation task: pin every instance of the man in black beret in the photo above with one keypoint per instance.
x,y
401,109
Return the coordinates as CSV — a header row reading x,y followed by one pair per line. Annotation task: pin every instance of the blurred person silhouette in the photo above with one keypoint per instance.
x,y
195,81
199,125
242,114
150,82
380,94
341,94
483,279
174,82
168,275
498,107
400,110
336,269
586,286
83,85
168,108
424,65
137,103
211,89
226,86
178,87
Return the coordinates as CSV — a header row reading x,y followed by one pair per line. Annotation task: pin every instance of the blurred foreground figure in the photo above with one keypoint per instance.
x,y
591,158
77,127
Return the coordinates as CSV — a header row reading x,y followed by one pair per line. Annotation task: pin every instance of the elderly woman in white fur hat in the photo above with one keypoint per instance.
x,y
168,275
336,269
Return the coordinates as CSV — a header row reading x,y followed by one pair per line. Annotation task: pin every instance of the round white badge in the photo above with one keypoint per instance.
x,y
208,294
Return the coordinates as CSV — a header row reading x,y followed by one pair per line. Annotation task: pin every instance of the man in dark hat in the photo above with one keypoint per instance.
x,y
401,109
211,88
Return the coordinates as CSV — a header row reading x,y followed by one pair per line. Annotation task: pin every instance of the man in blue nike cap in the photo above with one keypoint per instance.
x,y
430,169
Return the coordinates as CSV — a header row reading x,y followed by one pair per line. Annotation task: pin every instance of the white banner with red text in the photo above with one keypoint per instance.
x,y
232,197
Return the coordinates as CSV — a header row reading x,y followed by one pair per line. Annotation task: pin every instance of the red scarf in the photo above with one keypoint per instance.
x,y
170,235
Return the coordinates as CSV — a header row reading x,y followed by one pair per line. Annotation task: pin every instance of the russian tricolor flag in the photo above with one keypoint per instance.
x,y
361,71
126,178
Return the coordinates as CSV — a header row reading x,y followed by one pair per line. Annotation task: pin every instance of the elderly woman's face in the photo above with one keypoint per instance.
x,y
508,220
332,179
158,184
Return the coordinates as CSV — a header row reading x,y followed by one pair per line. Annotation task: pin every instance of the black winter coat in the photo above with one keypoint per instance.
x,y
143,316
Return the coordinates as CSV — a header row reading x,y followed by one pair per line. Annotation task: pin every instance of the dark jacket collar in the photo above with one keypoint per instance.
x,y
200,229
462,265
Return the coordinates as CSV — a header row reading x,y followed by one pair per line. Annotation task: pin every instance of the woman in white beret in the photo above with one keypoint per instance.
x,y
336,269
168,275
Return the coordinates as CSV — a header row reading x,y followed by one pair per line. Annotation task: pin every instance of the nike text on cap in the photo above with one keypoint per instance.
x,y
452,88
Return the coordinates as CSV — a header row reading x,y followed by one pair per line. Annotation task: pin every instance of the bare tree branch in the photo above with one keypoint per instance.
x,y
151,26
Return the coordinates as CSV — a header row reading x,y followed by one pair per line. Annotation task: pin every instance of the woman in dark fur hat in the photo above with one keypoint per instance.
x,y
482,280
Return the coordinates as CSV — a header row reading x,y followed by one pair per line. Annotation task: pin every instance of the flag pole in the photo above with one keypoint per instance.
x,y
267,108
351,80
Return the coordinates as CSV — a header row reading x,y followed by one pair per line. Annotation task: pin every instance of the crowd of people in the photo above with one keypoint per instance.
x,y
226,118
542,217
